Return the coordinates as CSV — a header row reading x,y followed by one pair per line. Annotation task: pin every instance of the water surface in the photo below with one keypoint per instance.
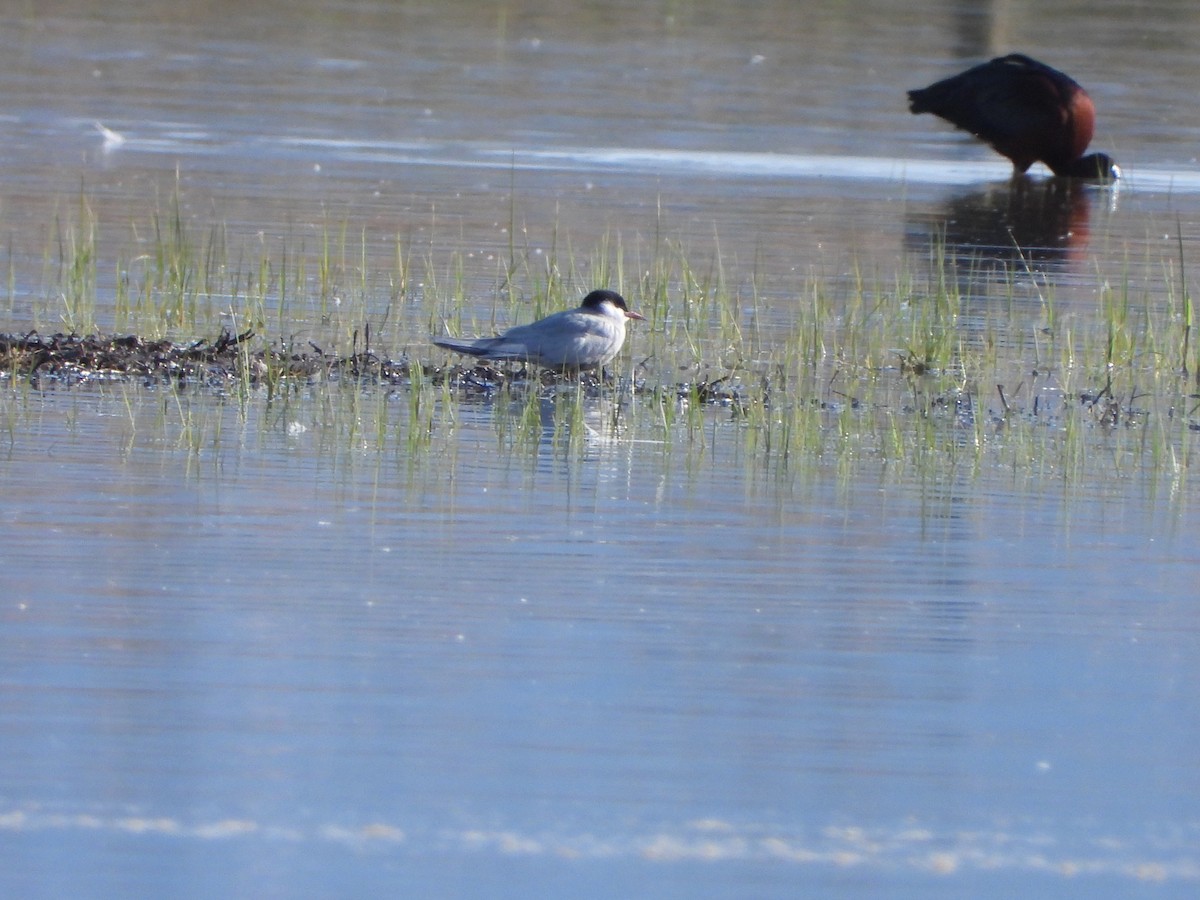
x,y
250,649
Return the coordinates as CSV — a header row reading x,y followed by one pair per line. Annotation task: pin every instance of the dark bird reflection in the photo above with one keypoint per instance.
x,y
1008,228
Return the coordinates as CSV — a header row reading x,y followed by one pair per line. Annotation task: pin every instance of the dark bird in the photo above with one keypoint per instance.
x,y
582,338
1026,111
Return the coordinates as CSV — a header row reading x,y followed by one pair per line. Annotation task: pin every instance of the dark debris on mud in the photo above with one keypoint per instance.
x,y
73,359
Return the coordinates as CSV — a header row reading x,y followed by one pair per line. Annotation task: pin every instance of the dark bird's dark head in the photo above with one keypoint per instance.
x,y
1094,167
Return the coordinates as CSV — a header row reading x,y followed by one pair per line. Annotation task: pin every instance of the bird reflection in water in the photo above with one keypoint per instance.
x,y
1024,225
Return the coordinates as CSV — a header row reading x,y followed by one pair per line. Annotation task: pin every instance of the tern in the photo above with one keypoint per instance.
x,y
582,338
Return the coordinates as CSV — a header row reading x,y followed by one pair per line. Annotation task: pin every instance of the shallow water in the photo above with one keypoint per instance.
x,y
249,648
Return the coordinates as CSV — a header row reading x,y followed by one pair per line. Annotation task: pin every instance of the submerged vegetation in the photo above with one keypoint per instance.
x,y
949,362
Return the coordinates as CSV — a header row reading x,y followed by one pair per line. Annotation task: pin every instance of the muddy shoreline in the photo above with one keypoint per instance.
x,y
73,359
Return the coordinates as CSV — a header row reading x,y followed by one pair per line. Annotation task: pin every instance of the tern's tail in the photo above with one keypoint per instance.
x,y
464,345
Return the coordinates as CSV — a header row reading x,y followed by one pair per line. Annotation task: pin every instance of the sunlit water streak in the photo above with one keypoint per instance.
x,y
1014,847
635,161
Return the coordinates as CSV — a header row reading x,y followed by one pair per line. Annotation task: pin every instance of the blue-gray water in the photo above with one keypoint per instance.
x,y
247,650
264,668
